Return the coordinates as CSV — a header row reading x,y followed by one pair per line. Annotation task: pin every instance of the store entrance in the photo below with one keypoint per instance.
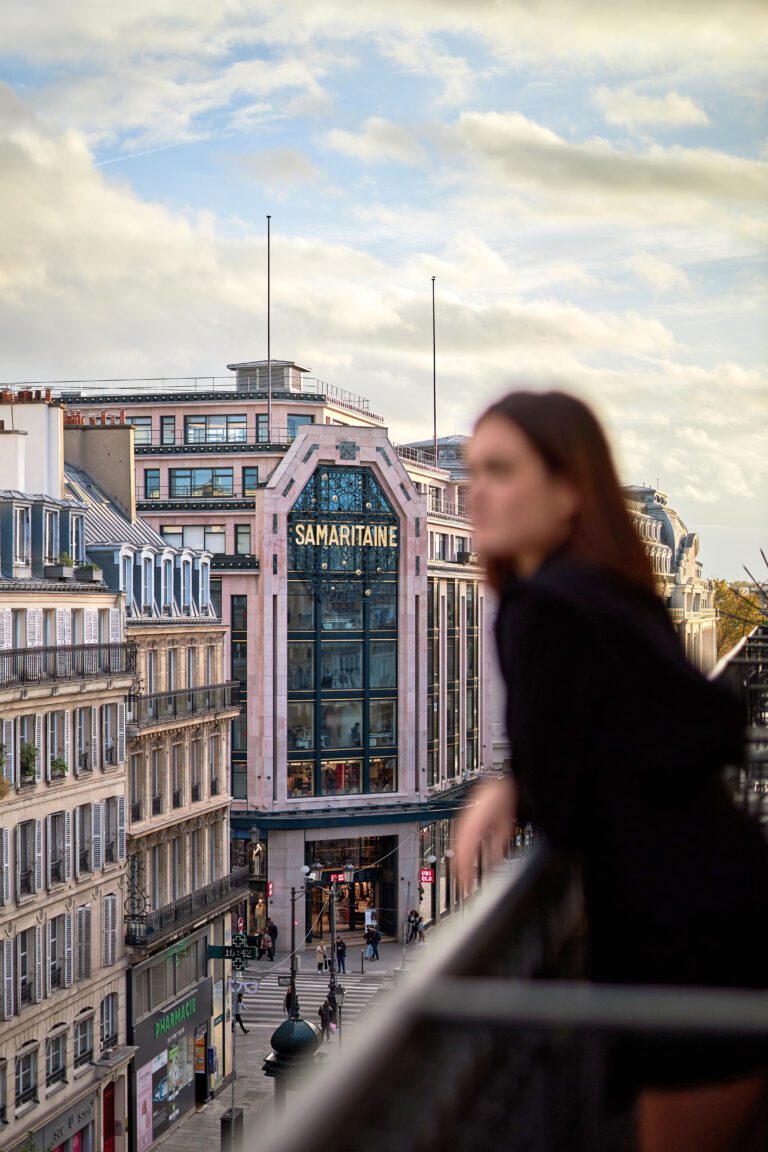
x,y
373,890
352,902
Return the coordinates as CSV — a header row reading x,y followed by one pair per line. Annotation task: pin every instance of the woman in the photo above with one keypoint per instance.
x,y
320,955
617,743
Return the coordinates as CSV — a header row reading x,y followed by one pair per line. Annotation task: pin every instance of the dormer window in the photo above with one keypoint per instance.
x,y
77,539
21,536
186,585
167,583
51,543
147,582
205,585
126,578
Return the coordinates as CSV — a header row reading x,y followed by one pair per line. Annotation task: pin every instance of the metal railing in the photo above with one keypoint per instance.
x,y
56,871
146,930
182,703
85,860
65,662
56,1077
448,510
84,763
176,798
26,882
417,456
157,805
162,493
84,1058
195,792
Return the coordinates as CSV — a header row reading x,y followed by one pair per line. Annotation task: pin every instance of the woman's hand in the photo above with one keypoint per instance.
x,y
492,814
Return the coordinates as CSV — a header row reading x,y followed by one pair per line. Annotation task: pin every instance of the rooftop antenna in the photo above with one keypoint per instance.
x,y
269,332
434,374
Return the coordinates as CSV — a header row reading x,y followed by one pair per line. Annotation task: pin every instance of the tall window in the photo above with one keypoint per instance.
x,y
26,1077
21,536
142,426
56,1058
151,483
250,480
108,1025
167,429
51,537
77,539
83,1044
242,539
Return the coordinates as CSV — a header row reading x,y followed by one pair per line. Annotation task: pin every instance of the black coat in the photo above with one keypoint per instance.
x,y
617,745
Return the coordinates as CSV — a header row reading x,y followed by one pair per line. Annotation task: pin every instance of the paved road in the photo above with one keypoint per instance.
x,y
266,1004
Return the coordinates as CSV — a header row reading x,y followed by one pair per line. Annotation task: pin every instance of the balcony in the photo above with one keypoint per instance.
x,y
176,798
214,785
157,805
65,662
135,813
196,792
183,704
144,931
444,510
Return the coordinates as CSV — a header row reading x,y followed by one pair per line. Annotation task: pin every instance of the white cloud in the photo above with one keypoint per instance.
x,y
379,141
279,170
420,57
627,107
662,275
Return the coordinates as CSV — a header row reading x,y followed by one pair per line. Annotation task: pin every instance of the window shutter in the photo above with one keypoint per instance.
x,y
115,634
121,733
67,948
38,855
80,965
6,628
94,737
90,625
48,934
77,841
49,843
18,860
8,981
121,853
8,750
68,738
5,865
87,957
67,846
38,962
96,814
48,744
39,748
110,930
63,626
34,627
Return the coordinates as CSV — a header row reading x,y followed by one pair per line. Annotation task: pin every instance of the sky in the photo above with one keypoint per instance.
x,y
588,183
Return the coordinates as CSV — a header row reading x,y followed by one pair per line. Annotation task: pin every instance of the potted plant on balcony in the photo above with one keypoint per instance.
x,y
27,761
88,573
58,768
63,570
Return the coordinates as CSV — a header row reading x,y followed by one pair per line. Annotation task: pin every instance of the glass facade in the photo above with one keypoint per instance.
x,y
239,668
342,637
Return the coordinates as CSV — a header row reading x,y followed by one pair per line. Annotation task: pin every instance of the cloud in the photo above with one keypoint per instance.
x,y
630,108
420,57
379,141
659,273
279,170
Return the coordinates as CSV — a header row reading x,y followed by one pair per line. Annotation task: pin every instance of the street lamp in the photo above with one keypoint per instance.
x,y
346,875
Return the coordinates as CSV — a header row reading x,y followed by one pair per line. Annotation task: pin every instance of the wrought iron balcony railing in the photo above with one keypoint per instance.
x,y
144,931
65,662
183,703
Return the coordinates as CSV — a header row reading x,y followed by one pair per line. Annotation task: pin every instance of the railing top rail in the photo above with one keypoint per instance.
x,y
149,697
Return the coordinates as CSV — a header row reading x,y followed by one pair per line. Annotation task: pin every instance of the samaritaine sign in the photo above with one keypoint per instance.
x,y
346,535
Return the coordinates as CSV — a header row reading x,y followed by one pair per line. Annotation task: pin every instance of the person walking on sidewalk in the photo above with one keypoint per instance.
x,y
420,929
413,919
238,1014
266,945
272,930
324,1012
321,956
341,956
375,938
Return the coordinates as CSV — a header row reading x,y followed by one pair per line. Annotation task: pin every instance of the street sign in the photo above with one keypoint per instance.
x,y
240,924
283,981
230,952
427,876
270,889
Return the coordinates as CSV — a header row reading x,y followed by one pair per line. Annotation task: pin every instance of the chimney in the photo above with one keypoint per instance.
x,y
105,451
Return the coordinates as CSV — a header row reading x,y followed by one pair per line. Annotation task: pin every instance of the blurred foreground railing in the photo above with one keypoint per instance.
x,y
744,670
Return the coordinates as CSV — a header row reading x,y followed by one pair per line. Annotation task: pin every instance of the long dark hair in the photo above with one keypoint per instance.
x,y
571,441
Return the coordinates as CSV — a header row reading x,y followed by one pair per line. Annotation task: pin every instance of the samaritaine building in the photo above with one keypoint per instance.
x,y
359,627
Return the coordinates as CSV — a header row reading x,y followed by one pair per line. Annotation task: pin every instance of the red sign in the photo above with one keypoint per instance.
x,y
427,876
338,878
269,889
240,924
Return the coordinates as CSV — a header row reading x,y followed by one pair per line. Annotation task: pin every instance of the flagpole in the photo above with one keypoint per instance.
x,y
434,374
269,332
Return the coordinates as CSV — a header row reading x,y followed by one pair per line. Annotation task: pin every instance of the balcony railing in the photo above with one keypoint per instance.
x,y
56,1077
448,510
176,798
57,871
85,860
195,792
157,805
84,1058
144,931
183,703
26,882
65,662
214,785
136,812
84,764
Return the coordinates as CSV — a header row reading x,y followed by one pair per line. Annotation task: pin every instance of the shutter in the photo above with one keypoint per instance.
x,y
121,733
121,828
67,948
76,749
110,930
87,958
48,934
63,626
38,855
6,628
68,738
34,627
8,982
90,625
94,737
38,962
115,631
19,834
77,841
48,744
67,846
5,866
80,943
8,750
96,814
39,748
49,843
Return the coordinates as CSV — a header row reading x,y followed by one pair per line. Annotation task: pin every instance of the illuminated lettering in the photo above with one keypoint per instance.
x,y
393,536
309,534
299,533
321,534
367,538
333,535
344,534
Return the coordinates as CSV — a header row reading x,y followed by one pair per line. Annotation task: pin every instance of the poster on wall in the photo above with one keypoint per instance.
x,y
144,1108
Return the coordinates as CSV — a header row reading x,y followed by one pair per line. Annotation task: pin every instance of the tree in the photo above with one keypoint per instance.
x,y
739,608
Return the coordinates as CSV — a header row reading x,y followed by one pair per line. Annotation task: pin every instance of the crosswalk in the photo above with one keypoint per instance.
x,y
264,999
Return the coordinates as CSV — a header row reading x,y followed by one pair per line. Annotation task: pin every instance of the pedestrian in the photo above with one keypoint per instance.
x,y
324,1012
413,918
673,874
272,930
368,939
341,956
420,929
321,956
375,938
333,1006
238,1014
289,997
266,945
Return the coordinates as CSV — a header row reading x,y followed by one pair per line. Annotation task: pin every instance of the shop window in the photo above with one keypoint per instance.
x,y
384,608
382,729
301,778
383,663
341,665
338,614
301,609
383,774
340,777
341,724
301,724
301,666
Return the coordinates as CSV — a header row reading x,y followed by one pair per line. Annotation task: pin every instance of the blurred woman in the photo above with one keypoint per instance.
x,y
617,745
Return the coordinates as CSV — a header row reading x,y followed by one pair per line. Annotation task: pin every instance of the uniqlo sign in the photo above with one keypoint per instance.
x,y
427,876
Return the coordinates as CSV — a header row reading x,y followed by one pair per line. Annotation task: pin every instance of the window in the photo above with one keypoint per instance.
x,y
341,724
340,777
297,421
83,1041
262,432
109,830
171,669
201,482
25,942
151,483
383,774
338,614
341,665
214,538
242,539
239,613
301,609
57,739
167,429
56,951
186,586
147,582
21,535
216,596
142,428
177,780
55,858
215,429
108,1026
301,724
51,543
56,1059
109,733
84,946
109,930
240,661
301,778
250,480
167,583
77,539
26,1077
384,608
83,838
383,729
301,666
383,655
25,858
173,534
3,1095
126,578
